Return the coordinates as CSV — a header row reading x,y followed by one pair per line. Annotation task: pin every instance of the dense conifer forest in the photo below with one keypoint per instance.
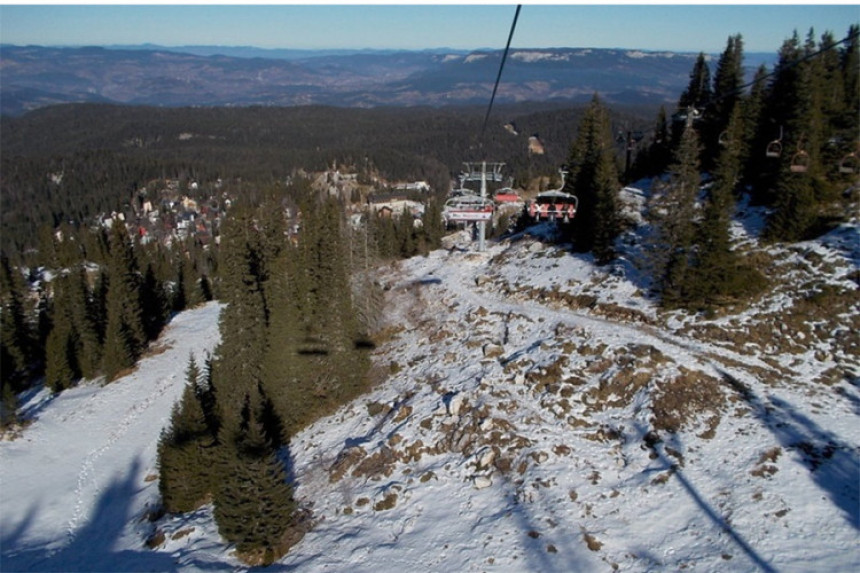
x,y
84,291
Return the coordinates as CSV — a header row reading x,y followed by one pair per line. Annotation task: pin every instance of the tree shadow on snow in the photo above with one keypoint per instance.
x,y
93,546
536,536
833,464
709,511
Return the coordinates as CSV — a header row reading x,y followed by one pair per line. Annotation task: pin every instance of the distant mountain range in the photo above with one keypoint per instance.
x,y
35,76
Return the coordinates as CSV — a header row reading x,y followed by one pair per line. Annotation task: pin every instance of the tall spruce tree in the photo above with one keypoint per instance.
x,y
850,63
675,222
695,98
16,335
757,135
237,367
432,226
85,322
793,104
73,348
726,95
698,93
61,368
594,180
718,271
313,360
186,459
125,335
282,370
254,504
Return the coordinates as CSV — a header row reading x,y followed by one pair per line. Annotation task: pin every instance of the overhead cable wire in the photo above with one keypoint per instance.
x,y
501,67
740,89
790,65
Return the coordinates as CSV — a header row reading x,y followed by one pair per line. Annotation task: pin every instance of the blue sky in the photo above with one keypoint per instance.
x,y
675,27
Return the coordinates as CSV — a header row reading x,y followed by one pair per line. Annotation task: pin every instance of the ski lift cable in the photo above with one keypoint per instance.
x,y
827,48
739,90
501,67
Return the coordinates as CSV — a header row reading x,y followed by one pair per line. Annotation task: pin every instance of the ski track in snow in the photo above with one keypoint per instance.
x,y
86,443
683,351
91,480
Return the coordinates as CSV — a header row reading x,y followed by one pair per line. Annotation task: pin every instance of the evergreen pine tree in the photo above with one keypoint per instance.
x,y
718,271
695,98
675,222
283,374
179,301
660,153
238,363
757,135
61,367
185,451
125,335
726,95
81,316
8,399
406,234
254,505
16,337
313,361
432,225
698,93
594,180
192,292
154,303
850,63
795,101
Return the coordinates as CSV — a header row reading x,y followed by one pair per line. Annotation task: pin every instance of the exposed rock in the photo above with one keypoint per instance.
x,y
482,482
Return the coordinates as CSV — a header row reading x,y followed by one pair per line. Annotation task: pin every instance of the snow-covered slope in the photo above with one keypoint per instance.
x,y
79,482
533,412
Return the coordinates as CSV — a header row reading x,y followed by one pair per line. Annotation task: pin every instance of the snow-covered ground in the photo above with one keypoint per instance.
x,y
78,484
534,412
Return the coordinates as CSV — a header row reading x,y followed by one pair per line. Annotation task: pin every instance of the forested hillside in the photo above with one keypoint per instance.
x,y
105,154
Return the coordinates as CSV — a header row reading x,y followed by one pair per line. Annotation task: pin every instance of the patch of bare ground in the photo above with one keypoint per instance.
x,y
388,502
764,467
590,541
12,432
816,315
622,372
156,349
378,464
345,460
684,401
558,298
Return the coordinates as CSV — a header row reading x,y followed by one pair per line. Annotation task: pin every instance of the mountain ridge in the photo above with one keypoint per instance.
x,y
37,76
